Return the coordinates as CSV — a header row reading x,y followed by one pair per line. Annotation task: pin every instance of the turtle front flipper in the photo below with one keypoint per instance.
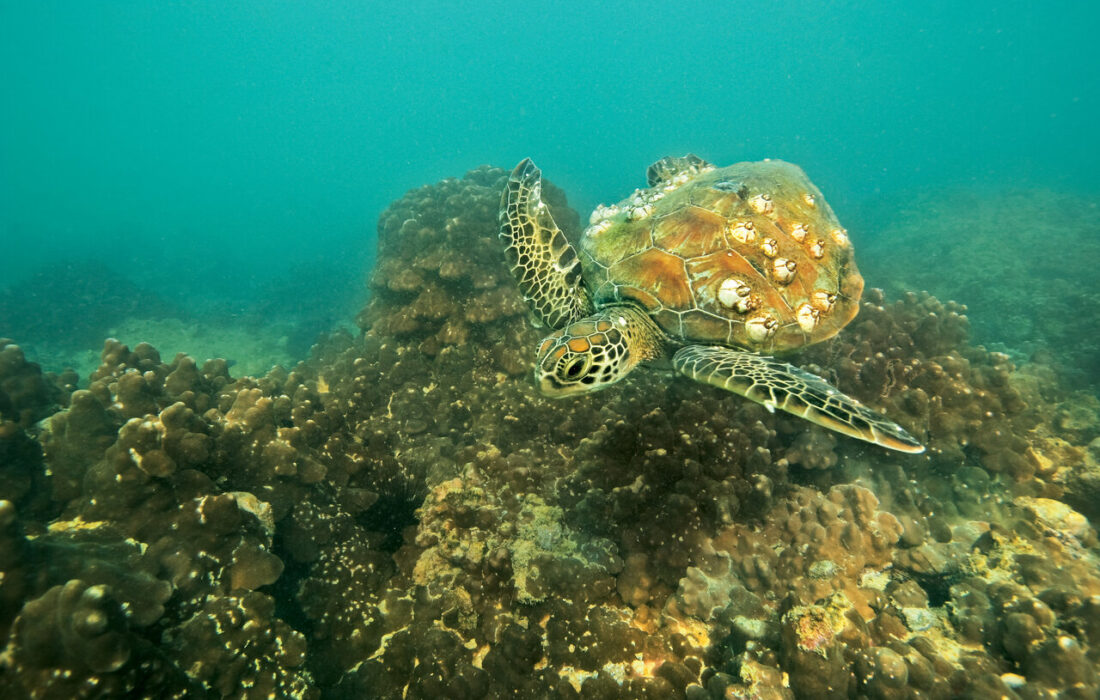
x,y
779,385
543,262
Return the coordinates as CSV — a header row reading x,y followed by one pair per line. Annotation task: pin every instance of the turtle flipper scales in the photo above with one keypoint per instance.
x,y
786,387
543,262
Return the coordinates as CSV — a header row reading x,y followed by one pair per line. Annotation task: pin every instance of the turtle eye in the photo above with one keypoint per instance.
x,y
575,368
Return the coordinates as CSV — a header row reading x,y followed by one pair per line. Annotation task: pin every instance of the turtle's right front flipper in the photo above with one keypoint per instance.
x,y
543,262
777,384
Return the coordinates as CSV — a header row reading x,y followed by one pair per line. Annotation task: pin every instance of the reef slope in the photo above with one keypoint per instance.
x,y
405,516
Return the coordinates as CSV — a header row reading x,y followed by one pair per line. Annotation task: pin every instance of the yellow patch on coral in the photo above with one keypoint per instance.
x,y
77,524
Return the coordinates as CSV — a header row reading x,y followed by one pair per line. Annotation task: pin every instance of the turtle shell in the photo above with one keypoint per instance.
x,y
750,256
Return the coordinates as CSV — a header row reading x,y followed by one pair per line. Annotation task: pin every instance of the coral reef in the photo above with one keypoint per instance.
x,y
26,395
403,515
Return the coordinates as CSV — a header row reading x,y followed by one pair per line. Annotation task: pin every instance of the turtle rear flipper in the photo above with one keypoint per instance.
x,y
667,168
543,262
779,385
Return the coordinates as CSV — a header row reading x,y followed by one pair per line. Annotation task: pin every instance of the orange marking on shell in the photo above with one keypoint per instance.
x,y
603,326
545,347
689,232
598,339
579,345
559,353
659,273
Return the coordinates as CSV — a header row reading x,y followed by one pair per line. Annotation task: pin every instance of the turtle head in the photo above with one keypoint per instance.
x,y
591,354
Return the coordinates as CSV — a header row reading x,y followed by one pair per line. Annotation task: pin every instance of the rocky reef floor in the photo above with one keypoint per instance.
x,y
402,515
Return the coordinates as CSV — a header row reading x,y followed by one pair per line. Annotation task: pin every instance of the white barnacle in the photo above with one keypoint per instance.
x,y
732,293
809,199
808,317
770,247
762,204
783,270
822,300
743,232
799,232
839,236
603,212
747,304
640,212
760,328
598,228
817,249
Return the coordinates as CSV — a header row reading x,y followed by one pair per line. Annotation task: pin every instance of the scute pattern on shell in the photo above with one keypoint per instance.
x,y
763,224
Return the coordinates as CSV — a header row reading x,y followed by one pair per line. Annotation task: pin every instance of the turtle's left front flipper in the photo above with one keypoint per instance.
x,y
543,262
780,385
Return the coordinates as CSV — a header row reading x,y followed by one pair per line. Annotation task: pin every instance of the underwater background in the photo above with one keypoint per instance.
x,y
267,422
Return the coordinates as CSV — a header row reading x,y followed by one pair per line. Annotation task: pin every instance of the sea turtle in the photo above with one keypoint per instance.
x,y
707,267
